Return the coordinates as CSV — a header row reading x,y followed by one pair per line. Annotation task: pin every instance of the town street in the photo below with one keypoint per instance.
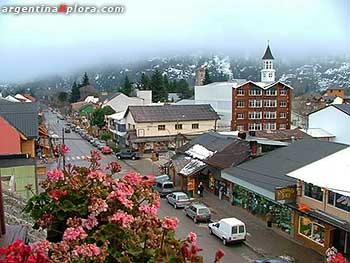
x,y
79,148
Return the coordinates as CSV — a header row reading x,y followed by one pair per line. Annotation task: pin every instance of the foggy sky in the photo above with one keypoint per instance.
x,y
35,45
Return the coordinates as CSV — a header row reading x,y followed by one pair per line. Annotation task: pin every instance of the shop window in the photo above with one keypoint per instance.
x,y
338,200
161,127
311,230
313,191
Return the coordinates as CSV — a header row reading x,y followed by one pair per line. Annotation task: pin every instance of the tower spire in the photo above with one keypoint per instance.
x,y
268,72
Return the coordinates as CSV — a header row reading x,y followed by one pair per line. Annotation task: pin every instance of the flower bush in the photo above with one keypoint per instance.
x,y
92,217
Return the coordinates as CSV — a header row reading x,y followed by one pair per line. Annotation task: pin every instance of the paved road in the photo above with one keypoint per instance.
x,y
79,148
235,253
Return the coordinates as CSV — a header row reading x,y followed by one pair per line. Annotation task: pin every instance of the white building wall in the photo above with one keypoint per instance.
x,y
219,96
333,121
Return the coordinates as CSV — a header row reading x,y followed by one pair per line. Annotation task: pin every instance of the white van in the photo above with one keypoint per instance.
x,y
229,230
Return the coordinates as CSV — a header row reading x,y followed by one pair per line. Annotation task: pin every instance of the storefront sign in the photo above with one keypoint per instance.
x,y
190,184
288,193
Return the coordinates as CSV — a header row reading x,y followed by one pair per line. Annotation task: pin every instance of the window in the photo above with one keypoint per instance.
x,y
240,116
313,191
283,92
338,200
241,229
269,126
254,126
270,75
254,115
311,230
270,103
283,115
195,126
161,127
121,127
271,92
234,230
240,92
255,92
240,128
178,126
283,104
255,103
240,104
282,126
269,115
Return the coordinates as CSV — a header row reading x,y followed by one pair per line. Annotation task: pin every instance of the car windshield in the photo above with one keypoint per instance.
x,y
170,185
182,197
203,211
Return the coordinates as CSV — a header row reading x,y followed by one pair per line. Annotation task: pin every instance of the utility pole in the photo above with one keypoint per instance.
x,y
63,156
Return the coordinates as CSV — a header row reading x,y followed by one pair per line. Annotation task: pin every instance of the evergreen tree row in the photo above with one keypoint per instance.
x,y
75,94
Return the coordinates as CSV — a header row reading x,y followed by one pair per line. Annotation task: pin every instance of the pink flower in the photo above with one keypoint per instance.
x,y
86,250
97,176
55,175
218,255
45,220
192,237
114,167
55,194
72,233
97,206
126,202
132,178
95,156
148,210
90,222
170,223
122,218
64,149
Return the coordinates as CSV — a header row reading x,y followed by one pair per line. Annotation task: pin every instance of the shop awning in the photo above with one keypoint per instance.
x,y
192,167
331,172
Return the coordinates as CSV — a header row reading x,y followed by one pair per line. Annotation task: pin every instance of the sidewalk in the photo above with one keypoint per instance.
x,y
264,241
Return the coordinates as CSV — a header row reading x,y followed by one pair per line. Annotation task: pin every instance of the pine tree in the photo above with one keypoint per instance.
x,y
173,87
184,89
86,80
75,95
159,92
145,82
207,78
166,82
127,87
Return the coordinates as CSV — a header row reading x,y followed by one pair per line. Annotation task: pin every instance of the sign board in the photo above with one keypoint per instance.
x,y
288,193
190,184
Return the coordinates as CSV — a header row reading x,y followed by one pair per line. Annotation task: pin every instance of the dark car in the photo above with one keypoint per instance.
x,y
66,129
198,212
127,154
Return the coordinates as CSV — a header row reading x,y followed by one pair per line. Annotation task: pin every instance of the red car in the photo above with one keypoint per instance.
x,y
106,150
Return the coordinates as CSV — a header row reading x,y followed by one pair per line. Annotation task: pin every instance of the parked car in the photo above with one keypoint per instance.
x,y
198,212
77,128
106,150
88,137
229,230
66,129
162,178
100,144
127,154
178,199
274,260
93,140
164,188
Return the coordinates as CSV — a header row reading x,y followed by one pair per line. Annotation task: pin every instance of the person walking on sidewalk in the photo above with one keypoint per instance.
x,y
221,191
269,219
200,189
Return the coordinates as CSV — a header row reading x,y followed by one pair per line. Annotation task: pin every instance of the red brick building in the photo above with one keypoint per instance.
x,y
264,105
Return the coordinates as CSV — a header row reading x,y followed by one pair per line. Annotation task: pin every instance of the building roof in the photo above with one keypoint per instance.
x,y
270,170
21,115
167,113
282,135
268,54
343,107
234,154
106,98
210,140
319,133
230,84
29,97
336,165
263,85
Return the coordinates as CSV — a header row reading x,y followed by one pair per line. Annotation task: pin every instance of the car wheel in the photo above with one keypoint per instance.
x,y
224,242
118,157
210,231
175,206
133,158
195,220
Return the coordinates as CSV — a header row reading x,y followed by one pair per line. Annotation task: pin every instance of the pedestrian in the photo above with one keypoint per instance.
x,y
269,219
221,191
200,189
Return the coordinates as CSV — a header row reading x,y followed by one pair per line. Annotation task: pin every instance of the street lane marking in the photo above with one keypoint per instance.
x,y
73,158
78,157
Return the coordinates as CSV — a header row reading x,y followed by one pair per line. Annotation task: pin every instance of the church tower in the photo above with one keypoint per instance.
x,y
268,73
